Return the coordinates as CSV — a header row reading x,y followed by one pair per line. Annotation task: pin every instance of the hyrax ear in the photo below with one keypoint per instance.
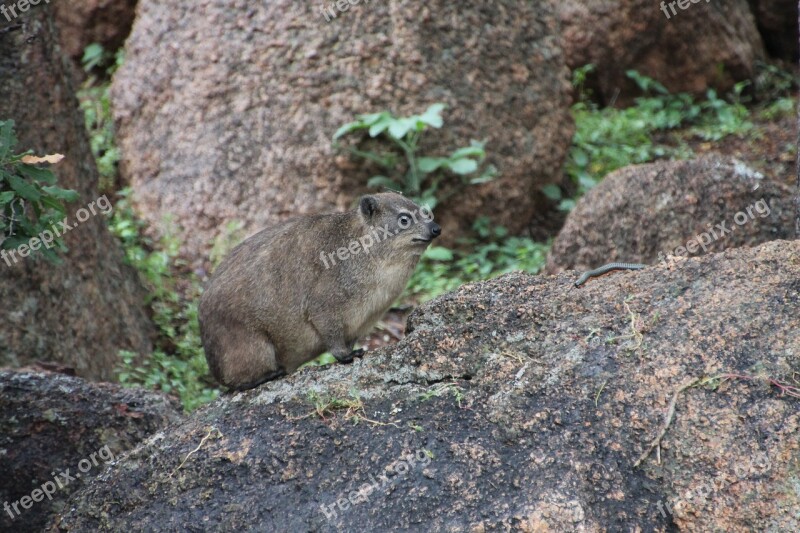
x,y
368,206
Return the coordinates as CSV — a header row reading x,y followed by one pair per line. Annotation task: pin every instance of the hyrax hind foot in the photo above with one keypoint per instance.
x,y
350,357
269,377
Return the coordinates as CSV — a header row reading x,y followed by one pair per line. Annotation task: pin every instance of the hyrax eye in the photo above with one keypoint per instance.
x,y
404,221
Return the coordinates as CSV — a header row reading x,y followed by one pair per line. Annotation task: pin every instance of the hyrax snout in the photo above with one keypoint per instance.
x,y
309,285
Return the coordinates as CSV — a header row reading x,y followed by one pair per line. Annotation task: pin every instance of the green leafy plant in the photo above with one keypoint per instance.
x,y
95,102
773,83
492,253
423,174
30,200
607,139
177,365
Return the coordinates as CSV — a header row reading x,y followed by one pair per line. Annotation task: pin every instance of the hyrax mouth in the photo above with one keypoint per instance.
x,y
419,239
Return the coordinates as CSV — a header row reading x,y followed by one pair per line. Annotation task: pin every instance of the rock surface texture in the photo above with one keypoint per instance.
x,y
212,133
643,213
50,427
83,22
709,44
520,403
82,312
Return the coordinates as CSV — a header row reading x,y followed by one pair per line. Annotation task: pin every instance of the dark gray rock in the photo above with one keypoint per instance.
x,y
524,403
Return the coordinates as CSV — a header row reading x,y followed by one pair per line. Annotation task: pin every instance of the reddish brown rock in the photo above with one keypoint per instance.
x,y
706,45
226,110
83,22
642,213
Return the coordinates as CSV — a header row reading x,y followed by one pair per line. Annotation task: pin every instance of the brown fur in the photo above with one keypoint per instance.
x,y
272,304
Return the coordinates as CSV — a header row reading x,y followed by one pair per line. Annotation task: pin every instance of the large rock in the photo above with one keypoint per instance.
x,y
520,404
83,311
83,22
644,213
709,44
62,431
211,133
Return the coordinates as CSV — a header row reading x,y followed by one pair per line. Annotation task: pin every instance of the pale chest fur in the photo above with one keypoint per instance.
x,y
381,292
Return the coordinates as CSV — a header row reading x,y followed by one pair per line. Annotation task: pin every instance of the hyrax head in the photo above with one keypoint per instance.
x,y
399,224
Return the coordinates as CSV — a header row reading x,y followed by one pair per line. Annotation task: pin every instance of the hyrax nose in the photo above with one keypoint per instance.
x,y
436,229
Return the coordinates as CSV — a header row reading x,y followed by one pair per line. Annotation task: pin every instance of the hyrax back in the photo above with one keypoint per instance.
x,y
310,285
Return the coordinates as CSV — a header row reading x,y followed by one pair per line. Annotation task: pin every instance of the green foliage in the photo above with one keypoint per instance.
x,y
232,234
607,139
30,200
491,254
178,365
781,107
423,174
773,83
95,101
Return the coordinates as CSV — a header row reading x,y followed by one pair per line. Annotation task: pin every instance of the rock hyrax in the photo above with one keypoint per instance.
x,y
309,285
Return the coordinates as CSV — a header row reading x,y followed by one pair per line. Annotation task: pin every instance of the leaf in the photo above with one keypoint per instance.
x,y
51,159
68,195
439,253
579,157
427,165
7,197
54,204
348,128
432,116
566,205
7,138
370,119
469,151
380,126
51,256
552,192
400,127
587,181
488,175
382,181
23,188
463,166
42,175
92,56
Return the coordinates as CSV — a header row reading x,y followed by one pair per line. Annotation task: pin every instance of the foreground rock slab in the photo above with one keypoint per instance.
x,y
57,431
520,403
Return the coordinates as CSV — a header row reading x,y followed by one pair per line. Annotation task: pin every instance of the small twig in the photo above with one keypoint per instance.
x,y
670,415
208,436
788,390
597,396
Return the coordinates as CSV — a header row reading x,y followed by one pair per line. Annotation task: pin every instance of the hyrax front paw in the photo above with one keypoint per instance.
x,y
348,358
